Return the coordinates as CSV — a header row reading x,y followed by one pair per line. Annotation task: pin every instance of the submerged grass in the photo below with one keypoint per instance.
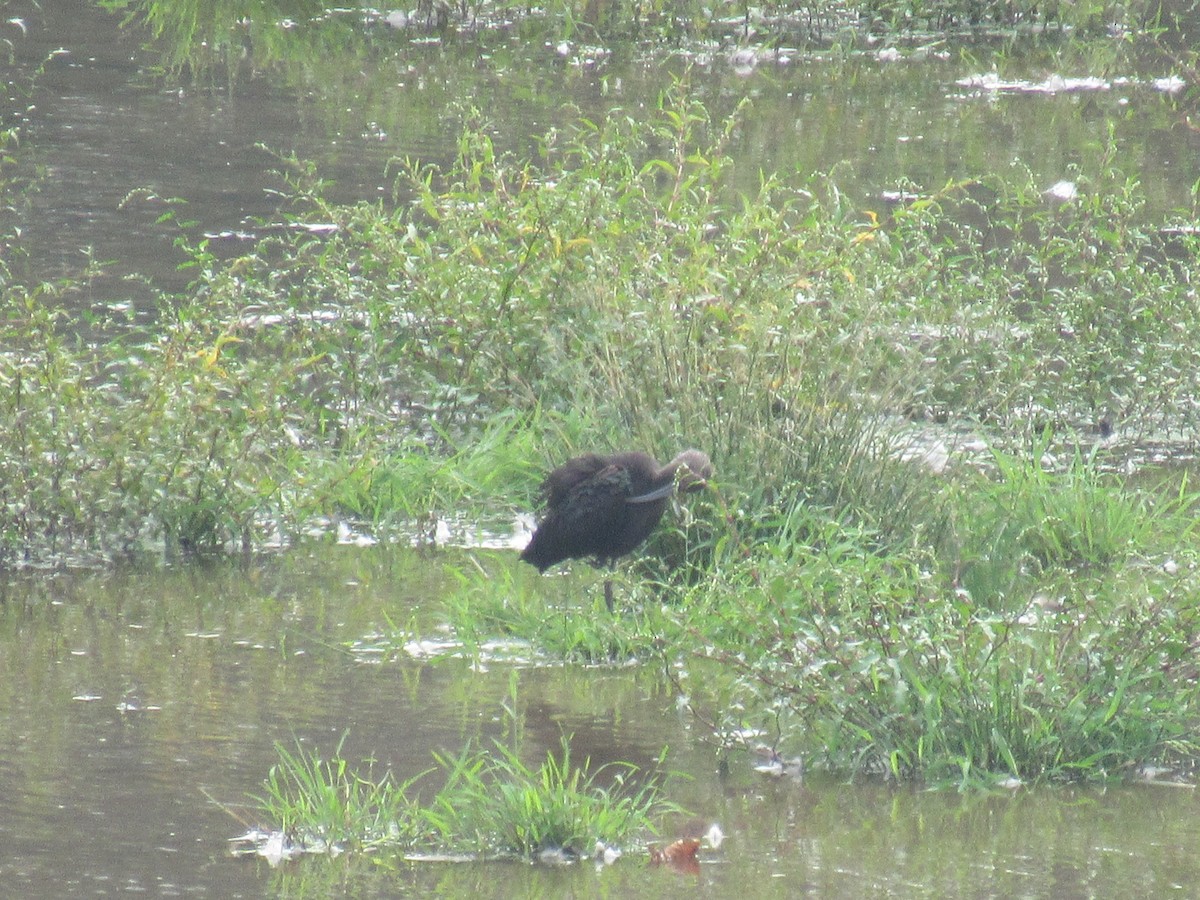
x,y
561,619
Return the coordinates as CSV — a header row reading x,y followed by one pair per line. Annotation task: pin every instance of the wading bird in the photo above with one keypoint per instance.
x,y
602,507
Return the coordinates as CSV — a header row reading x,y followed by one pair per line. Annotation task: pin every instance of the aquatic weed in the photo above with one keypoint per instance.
x,y
498,804
491,804
322,803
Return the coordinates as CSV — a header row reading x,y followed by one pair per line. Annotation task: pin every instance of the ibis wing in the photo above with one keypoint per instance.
x,y
572,474
583,520
590,515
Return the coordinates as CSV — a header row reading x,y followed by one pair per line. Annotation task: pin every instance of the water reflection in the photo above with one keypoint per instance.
x,y
118,143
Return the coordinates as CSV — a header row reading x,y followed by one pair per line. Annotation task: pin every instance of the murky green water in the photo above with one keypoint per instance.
x,y
105,127
139,710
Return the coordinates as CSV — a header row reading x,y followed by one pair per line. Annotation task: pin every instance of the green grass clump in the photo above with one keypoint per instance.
x,y
1031,521
512,809
492,804
323,804
560,617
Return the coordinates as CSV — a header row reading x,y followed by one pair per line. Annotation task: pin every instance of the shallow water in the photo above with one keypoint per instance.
x,y
117,142
140,711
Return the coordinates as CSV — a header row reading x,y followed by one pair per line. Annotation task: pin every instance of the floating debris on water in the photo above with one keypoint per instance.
x,y
557,856
605,854
680,855
276,846
1172,84
991,82
1054,84
348,536
778,767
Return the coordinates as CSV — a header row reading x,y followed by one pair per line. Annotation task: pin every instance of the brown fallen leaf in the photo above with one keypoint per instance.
x,y
682,853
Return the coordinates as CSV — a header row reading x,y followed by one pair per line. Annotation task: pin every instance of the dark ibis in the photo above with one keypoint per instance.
x,y
602,507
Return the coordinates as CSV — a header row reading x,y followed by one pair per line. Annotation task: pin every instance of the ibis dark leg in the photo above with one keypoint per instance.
x,y
608,594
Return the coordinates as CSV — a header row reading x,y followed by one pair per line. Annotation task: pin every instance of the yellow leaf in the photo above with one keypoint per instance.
x,y
213,353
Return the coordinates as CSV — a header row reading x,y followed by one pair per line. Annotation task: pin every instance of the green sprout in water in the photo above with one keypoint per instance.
x,y
502,806
492,805
323,805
